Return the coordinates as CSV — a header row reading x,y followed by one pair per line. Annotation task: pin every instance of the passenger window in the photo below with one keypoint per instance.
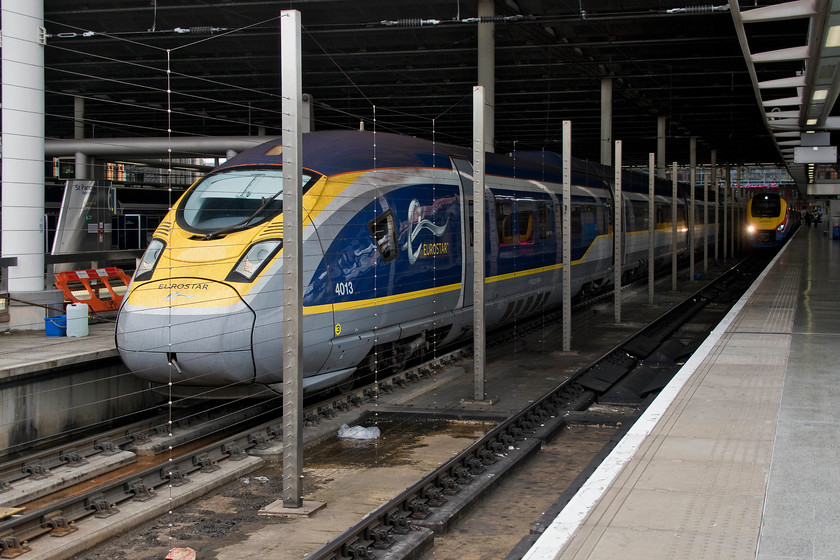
x,y
384,234
525,221
545,226
504,222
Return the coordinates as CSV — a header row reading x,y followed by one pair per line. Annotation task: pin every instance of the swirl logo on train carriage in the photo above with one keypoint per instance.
x,y
177,294
417,223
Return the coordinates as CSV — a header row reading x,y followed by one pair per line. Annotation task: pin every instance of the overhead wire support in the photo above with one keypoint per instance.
x,y
418,22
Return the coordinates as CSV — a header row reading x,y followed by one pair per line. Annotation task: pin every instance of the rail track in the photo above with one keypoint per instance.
x,y
406,525
431,504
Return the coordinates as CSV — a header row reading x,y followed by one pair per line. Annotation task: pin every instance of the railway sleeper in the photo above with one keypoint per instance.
x,y
398,522
380,536
326,412
433,495
36,470
486,456
102,508
72,458
106,446
475,465
311,419
356,550
205,463
140,492
139,437
462,475
58,524
448,484
11,546
234,452
259,440
175,477
418,507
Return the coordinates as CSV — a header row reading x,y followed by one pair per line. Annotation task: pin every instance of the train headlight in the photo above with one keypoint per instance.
x,y
751,229
781,228
254,260
150,259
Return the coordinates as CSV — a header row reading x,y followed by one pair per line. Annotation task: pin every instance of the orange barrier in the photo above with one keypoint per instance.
x,y
92,281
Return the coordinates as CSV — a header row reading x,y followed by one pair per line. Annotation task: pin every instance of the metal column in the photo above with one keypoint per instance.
x,y
714,182
23,226
692,169
606,121
674,227
660,147
82,171
733,188
726,215
487,70
706,223
617,230
651,225
567,236
737,230
479,338
292,261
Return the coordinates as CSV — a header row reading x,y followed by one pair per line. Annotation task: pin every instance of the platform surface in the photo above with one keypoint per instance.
x,y
27,352
737,458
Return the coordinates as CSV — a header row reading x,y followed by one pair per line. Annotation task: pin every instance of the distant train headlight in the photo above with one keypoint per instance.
x,y
254,260
751,229
149,261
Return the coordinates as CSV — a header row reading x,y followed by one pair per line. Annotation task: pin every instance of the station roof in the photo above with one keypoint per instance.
x,y
740,78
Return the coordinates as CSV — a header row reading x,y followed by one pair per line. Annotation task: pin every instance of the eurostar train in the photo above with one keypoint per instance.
x,y
387,263
770,221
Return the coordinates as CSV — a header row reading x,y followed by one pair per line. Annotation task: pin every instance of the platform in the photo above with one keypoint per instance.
x,y
737,457
25,352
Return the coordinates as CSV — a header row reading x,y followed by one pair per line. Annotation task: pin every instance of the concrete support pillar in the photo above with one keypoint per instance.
x,y
692,170
78,118
306,119
82,170
606,121
737,230
23,152
726,213
81,167
487,70
660,147
714,182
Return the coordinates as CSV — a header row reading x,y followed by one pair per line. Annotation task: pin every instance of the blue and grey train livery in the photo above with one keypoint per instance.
x,y
387,259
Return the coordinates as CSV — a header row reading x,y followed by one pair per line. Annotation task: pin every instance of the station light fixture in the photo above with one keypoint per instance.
x,y
833,36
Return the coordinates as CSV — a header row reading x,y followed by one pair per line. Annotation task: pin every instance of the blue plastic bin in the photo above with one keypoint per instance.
x,y
835,231
56,326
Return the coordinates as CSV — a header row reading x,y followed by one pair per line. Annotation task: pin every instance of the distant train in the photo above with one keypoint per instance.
x,y
387,258
770,221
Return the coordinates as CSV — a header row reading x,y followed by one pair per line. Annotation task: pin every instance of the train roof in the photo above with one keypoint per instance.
x,y
345,151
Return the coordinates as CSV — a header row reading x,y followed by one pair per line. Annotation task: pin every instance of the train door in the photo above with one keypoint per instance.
x,y
465,172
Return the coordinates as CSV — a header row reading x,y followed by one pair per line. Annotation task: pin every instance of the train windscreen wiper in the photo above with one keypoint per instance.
x,y
264,202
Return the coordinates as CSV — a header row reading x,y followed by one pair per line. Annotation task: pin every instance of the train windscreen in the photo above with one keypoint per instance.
x,y
234,199
764,206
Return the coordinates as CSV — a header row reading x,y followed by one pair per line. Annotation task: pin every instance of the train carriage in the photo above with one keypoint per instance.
x,y
770,220
387,264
